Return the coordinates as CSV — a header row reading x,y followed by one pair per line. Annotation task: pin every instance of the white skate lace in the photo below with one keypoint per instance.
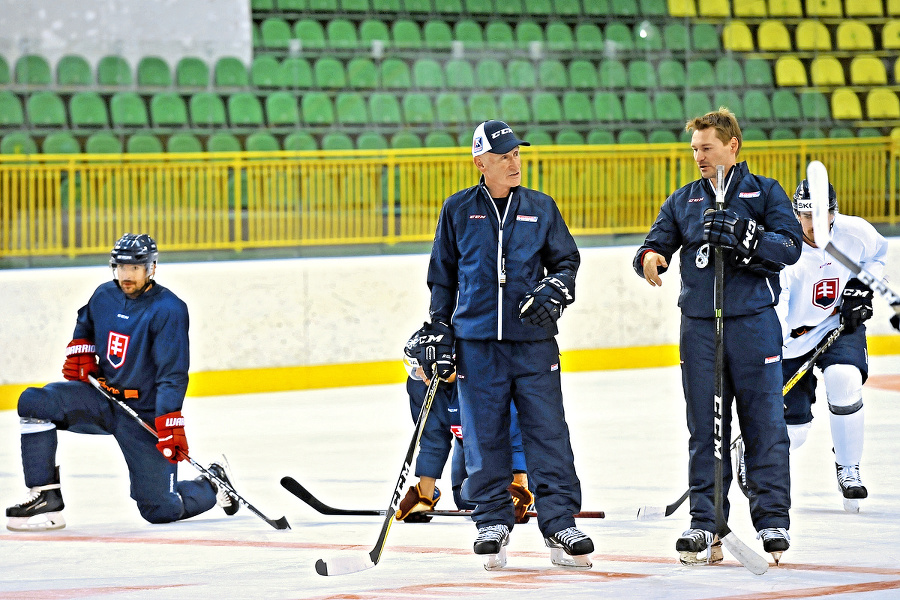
x,y
848,476
492,533
698,535
773,533
569,536
33,493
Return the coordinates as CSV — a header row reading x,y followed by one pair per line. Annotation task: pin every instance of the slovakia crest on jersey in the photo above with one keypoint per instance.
x,y
117,348
825,292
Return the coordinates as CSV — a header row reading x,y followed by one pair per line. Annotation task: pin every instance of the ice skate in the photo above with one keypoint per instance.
x,y
850,486
40,511
693,542
491,543
775,541
225,499
570,548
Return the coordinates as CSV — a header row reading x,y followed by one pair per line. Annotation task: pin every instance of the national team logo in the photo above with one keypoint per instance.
x,y
117,348
825,293
702,258
477,145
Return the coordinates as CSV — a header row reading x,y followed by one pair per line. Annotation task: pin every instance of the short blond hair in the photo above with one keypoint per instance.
x,y
724,122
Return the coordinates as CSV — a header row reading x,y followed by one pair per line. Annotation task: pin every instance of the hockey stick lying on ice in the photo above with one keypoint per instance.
x,y
818,194
294,487
276,523
340,565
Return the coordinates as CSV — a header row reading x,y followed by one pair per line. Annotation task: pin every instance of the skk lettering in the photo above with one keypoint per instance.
x,y
117,348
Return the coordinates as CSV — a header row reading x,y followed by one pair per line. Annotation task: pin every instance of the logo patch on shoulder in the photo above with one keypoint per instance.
x,y
749,194
772,359
554,367
695,200
527,218
117,348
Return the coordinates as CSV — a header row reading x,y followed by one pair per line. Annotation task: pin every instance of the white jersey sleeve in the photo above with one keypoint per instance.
x,y
811,288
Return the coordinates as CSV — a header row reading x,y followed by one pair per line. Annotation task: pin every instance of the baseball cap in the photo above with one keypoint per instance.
x,y
496,137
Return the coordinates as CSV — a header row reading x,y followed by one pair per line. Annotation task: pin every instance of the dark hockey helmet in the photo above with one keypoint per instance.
x,y
134,249
800,200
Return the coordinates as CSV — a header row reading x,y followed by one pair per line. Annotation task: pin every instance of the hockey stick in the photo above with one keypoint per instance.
x,y
276,523
817,176
294,487
341,565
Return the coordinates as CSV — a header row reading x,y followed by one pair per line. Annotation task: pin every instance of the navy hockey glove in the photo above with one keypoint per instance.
x,y
434,350
543,305
726,229
856,304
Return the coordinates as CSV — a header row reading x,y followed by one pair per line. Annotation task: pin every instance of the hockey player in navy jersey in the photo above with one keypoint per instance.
x,y
138,330
760,235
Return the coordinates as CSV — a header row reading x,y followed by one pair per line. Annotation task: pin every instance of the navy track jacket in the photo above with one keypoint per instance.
x,y
680,224
480,271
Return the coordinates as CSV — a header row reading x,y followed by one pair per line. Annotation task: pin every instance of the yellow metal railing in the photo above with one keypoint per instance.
x,y
79,204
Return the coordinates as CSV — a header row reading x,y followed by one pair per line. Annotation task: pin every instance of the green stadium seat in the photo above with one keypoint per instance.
x,y
619,35
757,106
631,136
729,72
596,8
437,35
612,74
18,143
450,108
864,132
32,69
127,110
282,109
373,30
588,38
114,70
478,8
623,8
341,35
275,33
469,33
608,107
546,108
785,105
705,37
143,143
539,137
317,108
671,74
509,7
230,72
417,109
386,6
87,109
583,75
385,109
265,72
538,8
577,107
395,74
244,110
814,106
697,104
45,109
782,133
668,108
191,72
261,141
600,137
299,141
514,108
417,6
263,5
700,74
11,112
183,142
103,143
638,107
153,71
439,139
60,142
647,37
297,73
731,100
552,74
527,33
490,74
662,136
329,73
812,133
206,110
569,137
371,140
355,5
405,139
642,75
310,33
758,72
168,109
350,108
559,37
567,8
71,70
753,134
362,74
836,132
448,7
406,35
4,71
223,142
428,74
482,107
675,37
654,8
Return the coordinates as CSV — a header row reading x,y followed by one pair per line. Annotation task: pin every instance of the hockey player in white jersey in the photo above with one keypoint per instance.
x,y
818,294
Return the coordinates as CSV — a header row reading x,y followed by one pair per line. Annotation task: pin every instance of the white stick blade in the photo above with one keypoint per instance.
x,y
817,176
754,563
342,565
651,513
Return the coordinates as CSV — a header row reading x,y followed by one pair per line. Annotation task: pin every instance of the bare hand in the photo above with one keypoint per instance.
x,y
652,262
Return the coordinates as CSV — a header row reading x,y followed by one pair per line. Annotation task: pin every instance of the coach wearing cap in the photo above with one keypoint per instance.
x,y
502,270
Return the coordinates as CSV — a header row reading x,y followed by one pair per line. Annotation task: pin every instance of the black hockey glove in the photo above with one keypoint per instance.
x,y
895,321
856,304
434,350
543,305
726,229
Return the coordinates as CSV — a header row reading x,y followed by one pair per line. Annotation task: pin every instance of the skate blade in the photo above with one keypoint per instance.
x,y
43,522
695,559
559,558
851,505
777,557
492,562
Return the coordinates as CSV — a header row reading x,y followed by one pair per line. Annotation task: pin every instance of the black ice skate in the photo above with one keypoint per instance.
x,y
570,548
850,486
775,540
491,542
41,510
693,542
226,500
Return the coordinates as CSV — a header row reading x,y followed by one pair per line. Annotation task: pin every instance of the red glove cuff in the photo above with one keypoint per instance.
x,y
170,433
81,360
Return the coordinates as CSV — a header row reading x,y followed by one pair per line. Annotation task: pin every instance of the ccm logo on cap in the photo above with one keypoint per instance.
x,y
501,132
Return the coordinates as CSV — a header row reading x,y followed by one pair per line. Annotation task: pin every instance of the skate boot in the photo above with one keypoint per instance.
x,y
570,548
740,466
491,542
850,486
775,540
40,511
224,498
694,541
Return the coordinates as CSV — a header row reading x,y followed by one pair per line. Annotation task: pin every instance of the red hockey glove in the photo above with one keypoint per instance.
x,y
81,360
414,503
522,501
172,441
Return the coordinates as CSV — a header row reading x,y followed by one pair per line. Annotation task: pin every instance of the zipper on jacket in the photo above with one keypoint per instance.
x,y
501,259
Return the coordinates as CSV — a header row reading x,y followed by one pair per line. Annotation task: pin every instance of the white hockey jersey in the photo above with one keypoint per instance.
x,y
811,288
